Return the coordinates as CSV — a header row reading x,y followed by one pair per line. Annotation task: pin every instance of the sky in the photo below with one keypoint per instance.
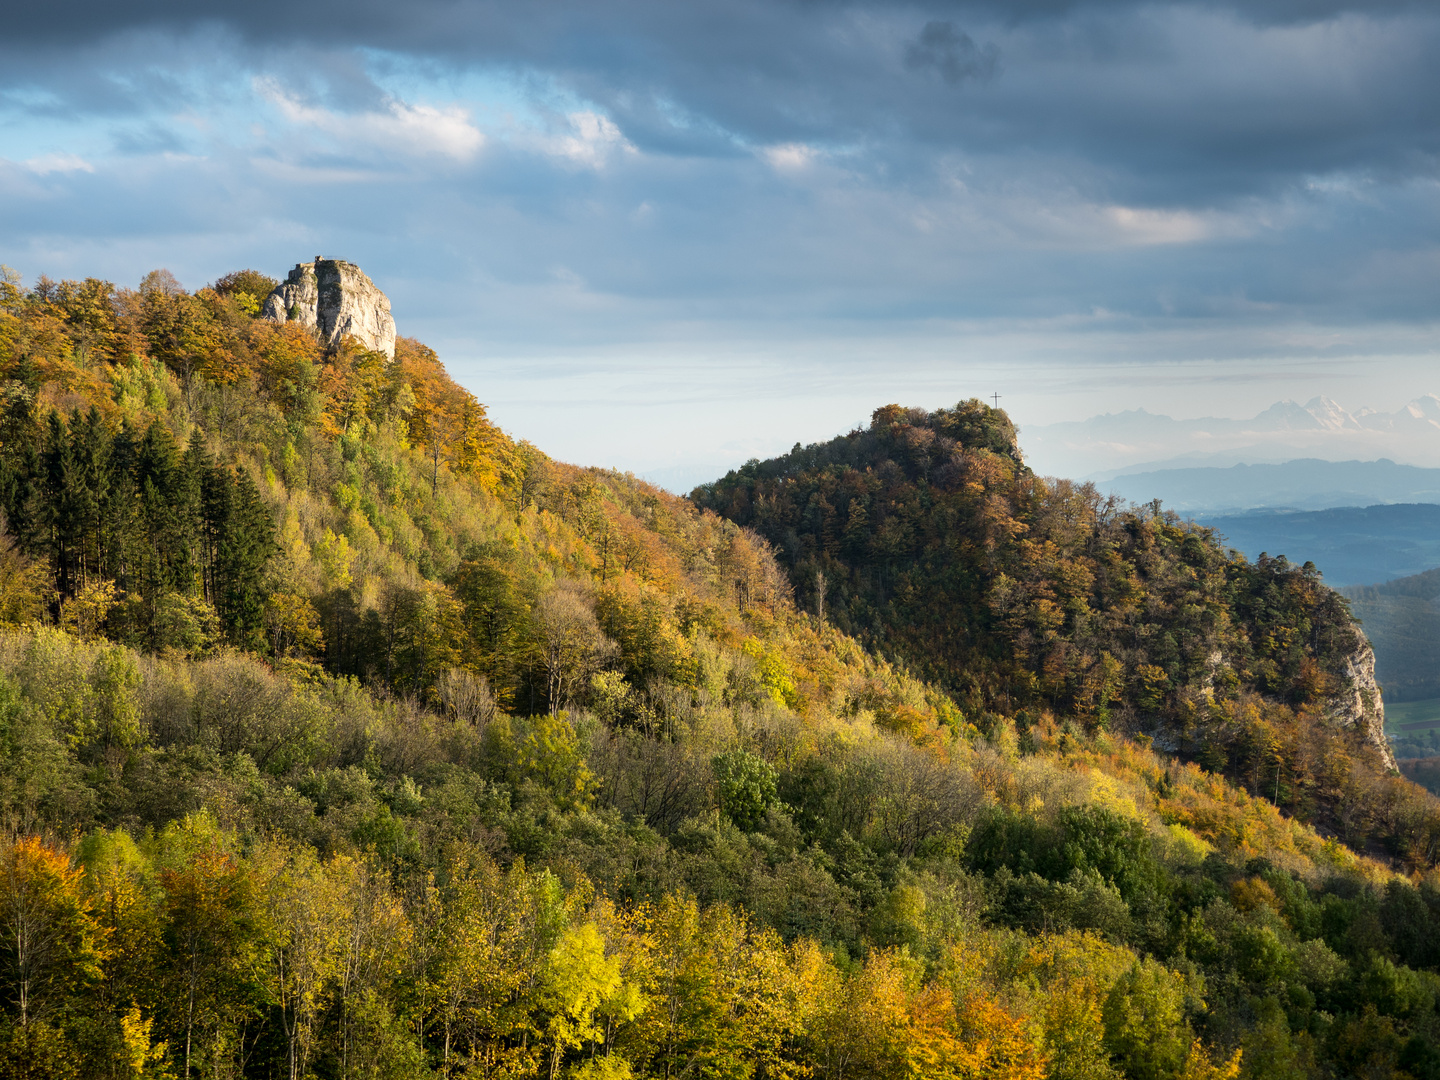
x,y
669,236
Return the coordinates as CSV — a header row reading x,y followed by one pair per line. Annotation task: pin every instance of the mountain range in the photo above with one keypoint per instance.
x,y
1107,446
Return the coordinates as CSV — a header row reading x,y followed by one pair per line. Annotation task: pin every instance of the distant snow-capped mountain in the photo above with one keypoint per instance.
x,y
1105,446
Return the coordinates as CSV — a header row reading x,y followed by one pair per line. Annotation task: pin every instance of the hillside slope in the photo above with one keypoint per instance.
x,y
342,736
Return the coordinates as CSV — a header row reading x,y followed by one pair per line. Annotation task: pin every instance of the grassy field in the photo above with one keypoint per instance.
x,y
1414,731
1411,716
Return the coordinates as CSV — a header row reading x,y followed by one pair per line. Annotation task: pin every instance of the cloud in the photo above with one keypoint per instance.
x,y
46,164
1144,226
291,173
592,141
1083,225
951,52
789,157
481,27
1169,104
395,128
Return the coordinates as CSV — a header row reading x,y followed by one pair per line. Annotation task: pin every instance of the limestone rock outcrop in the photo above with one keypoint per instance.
x,y
337,298
1359,706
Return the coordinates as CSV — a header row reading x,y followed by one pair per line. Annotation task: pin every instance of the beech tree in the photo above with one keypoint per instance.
x,y
212,934
50,939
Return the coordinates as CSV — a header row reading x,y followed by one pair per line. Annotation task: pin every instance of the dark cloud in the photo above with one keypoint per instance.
x,y
476,27
1179,104
951,52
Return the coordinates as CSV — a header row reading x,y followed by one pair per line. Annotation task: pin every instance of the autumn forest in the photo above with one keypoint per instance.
x,y
343,735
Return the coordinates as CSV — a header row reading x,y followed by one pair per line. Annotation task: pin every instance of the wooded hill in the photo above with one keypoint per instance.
x,y
342,736
928,537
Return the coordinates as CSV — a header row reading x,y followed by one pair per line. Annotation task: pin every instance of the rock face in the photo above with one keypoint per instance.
x,y
336,298
1360,707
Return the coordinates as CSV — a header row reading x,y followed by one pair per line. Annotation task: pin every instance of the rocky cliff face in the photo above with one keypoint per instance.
x,y
336,298
1360,706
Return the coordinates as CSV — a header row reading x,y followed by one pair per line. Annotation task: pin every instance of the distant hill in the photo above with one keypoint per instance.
x,y
1303,484
1402,619
1350,545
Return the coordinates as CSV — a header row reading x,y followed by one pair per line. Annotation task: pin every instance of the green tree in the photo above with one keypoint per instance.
x,y
747,786
212,935
1146,1027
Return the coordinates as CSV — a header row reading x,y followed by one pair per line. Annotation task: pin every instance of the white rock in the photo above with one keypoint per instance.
x,y
336,298
1359,706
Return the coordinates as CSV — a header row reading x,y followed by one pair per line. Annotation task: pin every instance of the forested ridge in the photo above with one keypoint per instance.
x,y
341,736
928,536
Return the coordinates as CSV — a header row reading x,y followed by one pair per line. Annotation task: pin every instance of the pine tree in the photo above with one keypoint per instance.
x,y
246,540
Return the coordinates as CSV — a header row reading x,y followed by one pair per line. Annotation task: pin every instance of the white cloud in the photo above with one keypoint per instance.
x,y
398,128
789,157
1060,221
594,139
1144,226
46,164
